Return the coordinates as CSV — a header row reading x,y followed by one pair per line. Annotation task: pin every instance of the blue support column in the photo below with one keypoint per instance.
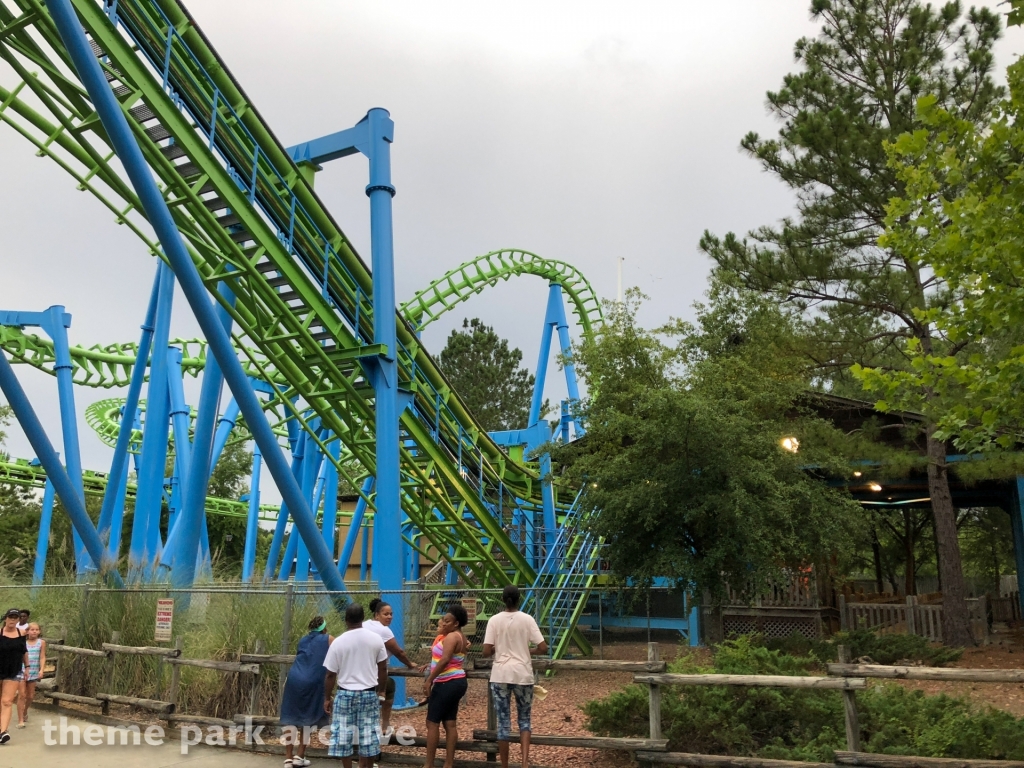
x,y
296,440
224,426
56,325
354,526
153,458
364,563
329,525
43,542
55,471
252,523
119,464
191,528
540,377
310,474
387,520
181,416
159,216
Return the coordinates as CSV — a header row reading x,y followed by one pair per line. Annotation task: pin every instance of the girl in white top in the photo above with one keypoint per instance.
x,y
383,614
508,639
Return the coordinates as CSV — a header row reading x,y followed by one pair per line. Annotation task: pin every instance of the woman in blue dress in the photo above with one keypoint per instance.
x,y
302,706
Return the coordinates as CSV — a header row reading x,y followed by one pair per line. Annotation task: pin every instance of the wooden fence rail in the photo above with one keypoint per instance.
x,y
845,677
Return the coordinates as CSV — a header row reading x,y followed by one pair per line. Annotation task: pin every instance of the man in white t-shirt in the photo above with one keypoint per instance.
x,y
357,675
509,637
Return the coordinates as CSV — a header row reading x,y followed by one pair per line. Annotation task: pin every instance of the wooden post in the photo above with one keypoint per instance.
x,y
850,708
58,673
286,639
655,695
108,678
844,623
911,615
172,693
253,695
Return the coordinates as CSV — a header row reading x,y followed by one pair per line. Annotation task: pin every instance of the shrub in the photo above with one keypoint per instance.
x,y
882,649
804,725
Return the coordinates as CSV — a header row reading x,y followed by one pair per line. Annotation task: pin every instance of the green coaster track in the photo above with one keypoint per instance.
x,y
250,218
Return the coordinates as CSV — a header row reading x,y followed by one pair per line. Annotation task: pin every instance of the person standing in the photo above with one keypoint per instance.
x,y
446,684
32,672
13,659
302,706
381,624
357,675
512,638
23,619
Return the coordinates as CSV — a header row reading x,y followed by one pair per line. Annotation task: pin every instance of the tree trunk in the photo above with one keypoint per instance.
x,y
910,571
876,550
956,624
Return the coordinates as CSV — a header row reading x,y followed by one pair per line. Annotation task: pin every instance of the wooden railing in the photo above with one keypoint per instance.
x,y
845,677
909,616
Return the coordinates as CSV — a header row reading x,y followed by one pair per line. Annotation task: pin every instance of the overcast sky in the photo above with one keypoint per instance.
x,y
582,131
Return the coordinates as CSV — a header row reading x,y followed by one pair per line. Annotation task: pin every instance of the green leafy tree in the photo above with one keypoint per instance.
x,y
857,89
683,456
488,376
964,187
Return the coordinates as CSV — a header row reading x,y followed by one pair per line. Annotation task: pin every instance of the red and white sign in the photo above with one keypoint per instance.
x,y
164,619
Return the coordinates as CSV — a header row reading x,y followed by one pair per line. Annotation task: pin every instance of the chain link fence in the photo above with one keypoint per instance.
x,y
226,620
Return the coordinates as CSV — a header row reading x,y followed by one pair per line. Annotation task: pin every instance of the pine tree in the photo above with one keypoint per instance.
x,y
488,376
858,88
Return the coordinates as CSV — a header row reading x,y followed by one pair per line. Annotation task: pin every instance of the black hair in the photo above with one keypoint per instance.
x,y
377,605
510,596
459,614
26,611
315,622
354,614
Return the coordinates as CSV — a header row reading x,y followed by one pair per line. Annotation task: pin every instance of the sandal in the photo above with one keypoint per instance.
x,y
289,763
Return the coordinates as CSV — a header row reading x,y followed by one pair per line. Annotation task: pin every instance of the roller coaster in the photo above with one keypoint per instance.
x,y
132,101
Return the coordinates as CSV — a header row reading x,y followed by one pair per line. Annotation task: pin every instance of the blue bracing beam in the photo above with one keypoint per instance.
x,y
252,522
55,322
66,491
43,542
159,216
153,457
119,464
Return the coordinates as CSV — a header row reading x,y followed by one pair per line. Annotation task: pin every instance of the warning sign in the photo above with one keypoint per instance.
x,y
164,619
469,603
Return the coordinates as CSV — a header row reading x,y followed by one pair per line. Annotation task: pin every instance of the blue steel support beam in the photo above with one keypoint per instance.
x,y
55,322
119,464
354,525
191,525
557,303
55,471
153,457
540,377
181,416
159,216
295,439
43,542
224,427
387,519
330,519
252,523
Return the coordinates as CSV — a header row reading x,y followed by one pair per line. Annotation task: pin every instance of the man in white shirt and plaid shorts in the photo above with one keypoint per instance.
x,y
357,676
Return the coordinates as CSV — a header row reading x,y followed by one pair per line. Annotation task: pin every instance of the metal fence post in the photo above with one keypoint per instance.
x,y
850,708
654,694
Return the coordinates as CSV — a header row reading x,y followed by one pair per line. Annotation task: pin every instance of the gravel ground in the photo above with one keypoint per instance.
x,y
559,714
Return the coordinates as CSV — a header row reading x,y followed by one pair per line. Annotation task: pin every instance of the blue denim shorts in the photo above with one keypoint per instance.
x,y
502,694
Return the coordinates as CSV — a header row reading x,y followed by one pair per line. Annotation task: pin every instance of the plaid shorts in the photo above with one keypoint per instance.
x,y
502,693
355,719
